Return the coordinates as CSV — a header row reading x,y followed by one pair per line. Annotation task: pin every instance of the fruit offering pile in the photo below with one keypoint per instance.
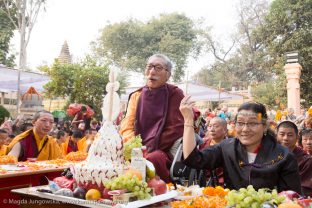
x,y
8,159
250,198
217,191
76,156
132,184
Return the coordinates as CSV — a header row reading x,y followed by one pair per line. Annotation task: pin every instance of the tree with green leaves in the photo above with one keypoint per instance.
x,y
288,27
6,33
128,44
23,18
81,83
243,59
4,113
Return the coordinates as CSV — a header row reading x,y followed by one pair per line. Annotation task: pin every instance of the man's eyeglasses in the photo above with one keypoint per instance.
x,y
157,68
249,125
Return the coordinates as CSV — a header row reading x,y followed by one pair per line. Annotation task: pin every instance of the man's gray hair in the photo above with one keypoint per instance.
x,y
168,62
221,121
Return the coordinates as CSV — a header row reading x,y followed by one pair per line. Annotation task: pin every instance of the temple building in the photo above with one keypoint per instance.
x,y
31,102
65,56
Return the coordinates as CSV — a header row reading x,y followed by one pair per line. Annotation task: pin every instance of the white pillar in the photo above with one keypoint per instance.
x,y
293,72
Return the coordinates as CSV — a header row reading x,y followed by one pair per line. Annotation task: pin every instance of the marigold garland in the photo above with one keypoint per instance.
x,y
213,198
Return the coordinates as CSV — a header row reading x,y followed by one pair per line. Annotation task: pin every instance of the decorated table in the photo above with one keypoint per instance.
x,y
27,174
29,197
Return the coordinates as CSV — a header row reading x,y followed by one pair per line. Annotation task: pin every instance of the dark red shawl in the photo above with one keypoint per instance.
x,y
305,170
72,146
158,118
29,147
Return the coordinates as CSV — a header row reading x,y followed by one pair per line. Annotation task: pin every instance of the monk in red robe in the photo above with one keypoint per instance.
x,y
153,112
35,143
74,143
287,135
216,132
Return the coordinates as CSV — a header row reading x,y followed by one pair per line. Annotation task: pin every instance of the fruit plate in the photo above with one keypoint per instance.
x,y
12,167
155,199
85,203
181,197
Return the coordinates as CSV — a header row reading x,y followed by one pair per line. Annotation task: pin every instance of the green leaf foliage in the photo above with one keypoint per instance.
x,y
81,83
6,33
288,28
128,44
4,113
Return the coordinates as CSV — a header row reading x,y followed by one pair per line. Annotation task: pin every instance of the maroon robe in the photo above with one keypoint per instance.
x,y
160,124
305,170
29,147
72,146
158,118
217,171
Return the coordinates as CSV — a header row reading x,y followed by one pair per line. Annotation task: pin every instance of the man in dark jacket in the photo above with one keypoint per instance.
x,y
287,135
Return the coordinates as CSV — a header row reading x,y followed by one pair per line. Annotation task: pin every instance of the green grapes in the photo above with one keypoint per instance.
x,y
132,184
135,142
249,197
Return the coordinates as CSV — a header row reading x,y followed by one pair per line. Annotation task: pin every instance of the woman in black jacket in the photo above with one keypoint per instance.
x,y
253,158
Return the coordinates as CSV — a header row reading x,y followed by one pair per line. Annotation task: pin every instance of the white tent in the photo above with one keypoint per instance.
x,y
8,80
197,91
203,93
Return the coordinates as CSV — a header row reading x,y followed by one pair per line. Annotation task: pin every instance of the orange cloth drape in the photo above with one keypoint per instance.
x,y
3,150
127,124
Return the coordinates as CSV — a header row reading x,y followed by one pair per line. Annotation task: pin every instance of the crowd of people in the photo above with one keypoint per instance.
x,y
42,138
251,146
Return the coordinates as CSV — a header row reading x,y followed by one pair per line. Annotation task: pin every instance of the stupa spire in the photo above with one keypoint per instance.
x,y
65,57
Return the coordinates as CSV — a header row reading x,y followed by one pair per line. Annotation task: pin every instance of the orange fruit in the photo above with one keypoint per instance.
x,y
289,205
134,172
93,194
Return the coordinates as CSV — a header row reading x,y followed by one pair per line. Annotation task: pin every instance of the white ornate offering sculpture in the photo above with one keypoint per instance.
x,y
105,159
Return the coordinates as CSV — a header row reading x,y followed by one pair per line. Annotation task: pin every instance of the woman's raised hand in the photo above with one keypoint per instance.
x,y
186,108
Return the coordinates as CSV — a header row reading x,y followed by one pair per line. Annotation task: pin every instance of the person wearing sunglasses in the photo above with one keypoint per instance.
x,y
253,158
153,113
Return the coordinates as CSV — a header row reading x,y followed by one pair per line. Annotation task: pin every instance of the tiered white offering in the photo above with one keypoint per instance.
x,y
105,159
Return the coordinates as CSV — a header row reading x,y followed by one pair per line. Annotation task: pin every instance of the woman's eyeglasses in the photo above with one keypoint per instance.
x,y
249,125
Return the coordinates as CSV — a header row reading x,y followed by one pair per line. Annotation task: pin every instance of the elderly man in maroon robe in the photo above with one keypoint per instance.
x,y
287,135
153,112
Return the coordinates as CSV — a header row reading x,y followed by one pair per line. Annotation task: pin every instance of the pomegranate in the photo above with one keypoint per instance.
x,y
158,185
289,194
105,194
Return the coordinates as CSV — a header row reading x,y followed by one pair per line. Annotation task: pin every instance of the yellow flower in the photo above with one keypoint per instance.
x,y
278,115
